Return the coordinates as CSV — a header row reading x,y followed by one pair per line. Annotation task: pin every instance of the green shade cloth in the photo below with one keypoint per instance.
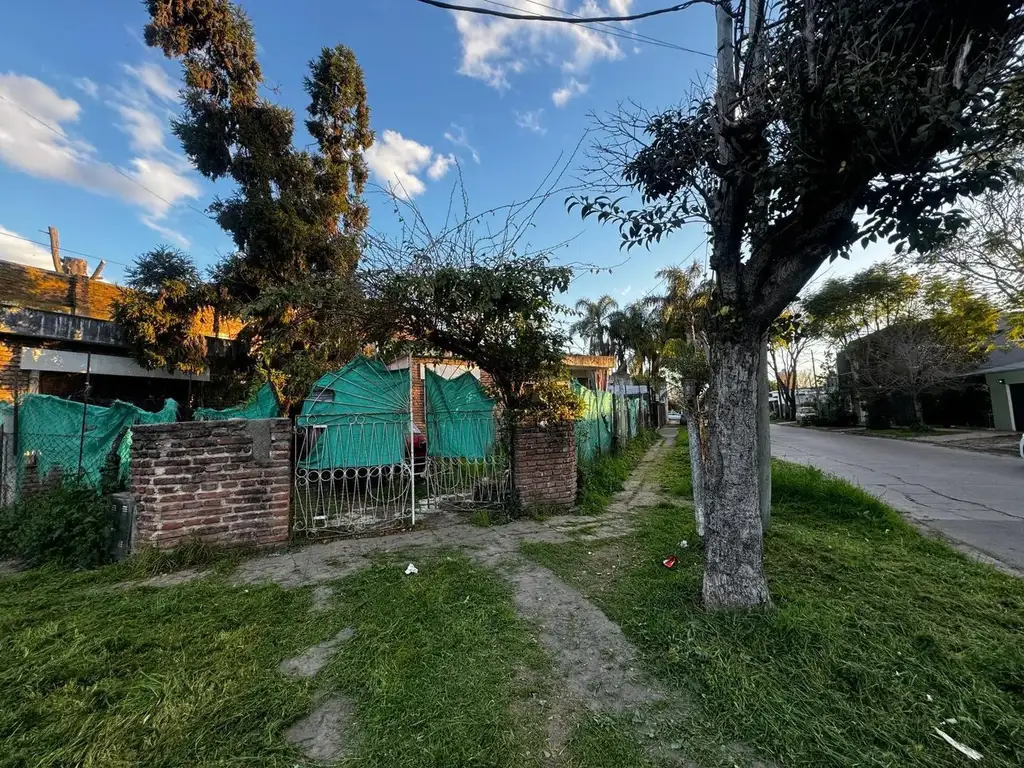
x,y
263,405
594,431
460,417
356,417
50,434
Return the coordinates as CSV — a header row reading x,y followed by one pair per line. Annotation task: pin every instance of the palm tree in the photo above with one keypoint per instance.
x,y
592,326
684,300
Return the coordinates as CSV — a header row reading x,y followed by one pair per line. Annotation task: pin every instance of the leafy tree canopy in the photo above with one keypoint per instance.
x,y
295,215
500,316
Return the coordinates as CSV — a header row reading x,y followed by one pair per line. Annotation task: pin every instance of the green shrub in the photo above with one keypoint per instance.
x,y
68,525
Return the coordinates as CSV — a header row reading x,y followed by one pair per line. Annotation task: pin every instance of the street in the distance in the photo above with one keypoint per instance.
x,y
974,498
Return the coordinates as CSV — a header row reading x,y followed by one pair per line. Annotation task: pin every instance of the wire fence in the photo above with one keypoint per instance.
x,y
46,440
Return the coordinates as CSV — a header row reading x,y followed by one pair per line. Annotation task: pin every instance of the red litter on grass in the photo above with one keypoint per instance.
x,y
670,561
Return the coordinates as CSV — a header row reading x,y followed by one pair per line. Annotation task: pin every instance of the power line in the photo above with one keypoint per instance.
x,y
65,250
206,217
561,19
626,34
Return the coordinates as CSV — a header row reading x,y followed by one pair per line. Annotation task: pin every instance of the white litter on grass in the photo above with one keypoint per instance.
x,y
928,697
411,569
684,544
963,748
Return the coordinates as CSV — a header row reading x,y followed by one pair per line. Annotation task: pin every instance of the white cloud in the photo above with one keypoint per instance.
x,y
493,48
439,168
457,136
87,86
21,252
396,161
625,291
35,139
530,121
155,80
569,91
145,129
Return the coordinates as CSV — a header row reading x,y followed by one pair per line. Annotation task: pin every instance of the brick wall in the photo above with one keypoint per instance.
x,y
227,483
545,474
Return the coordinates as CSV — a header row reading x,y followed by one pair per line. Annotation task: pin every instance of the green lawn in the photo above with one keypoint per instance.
x,y
441,670
878,634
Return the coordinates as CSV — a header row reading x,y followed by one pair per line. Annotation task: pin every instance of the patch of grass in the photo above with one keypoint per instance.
x,y
93,675
602,477
878,634
604,741
440,668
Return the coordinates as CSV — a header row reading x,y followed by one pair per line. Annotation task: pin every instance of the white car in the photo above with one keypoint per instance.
x,y
805,414
1022,446
673,417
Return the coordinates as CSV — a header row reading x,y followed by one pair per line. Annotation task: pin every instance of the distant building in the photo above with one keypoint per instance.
x,y
591,371
1004,375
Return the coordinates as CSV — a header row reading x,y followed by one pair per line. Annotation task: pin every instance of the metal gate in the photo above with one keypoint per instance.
x,y
467,463
355,448
363,465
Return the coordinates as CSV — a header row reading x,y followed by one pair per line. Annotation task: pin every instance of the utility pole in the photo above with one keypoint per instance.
x,y
58,265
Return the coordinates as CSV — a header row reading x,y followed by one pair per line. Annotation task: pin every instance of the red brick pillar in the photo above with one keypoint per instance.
x,y
227,483
545,473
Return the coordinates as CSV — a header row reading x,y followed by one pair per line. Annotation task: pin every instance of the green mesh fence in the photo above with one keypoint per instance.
x,y
356,417
263,405
607,418
52,438
460,417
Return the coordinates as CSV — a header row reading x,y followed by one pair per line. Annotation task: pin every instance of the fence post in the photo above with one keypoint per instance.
x,y
412,440
85,412
615,422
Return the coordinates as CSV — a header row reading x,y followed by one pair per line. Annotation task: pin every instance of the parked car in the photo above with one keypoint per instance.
x,y
805,414
674,417
1022,446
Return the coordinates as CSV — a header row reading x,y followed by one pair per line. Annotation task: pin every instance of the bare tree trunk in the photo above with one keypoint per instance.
x,y
764,441
918,409
733,544
693,433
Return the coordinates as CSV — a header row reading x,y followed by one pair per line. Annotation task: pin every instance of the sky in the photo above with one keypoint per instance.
x,y
85,110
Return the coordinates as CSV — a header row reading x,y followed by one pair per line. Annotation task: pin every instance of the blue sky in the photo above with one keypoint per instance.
x,y
504,99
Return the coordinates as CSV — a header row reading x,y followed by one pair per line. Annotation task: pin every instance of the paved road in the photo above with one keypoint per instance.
x,y
974,498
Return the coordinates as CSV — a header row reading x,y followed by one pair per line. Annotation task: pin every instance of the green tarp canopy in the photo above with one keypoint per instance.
x,y
263,405
594,431
460,417
50,434
356,417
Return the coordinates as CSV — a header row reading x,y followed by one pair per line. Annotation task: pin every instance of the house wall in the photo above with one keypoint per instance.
x,y
1000,402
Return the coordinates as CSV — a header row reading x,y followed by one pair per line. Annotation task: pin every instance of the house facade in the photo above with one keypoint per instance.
x,y
56,328
1004,376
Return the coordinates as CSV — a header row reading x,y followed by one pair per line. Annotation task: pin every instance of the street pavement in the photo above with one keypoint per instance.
x,y
975,499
